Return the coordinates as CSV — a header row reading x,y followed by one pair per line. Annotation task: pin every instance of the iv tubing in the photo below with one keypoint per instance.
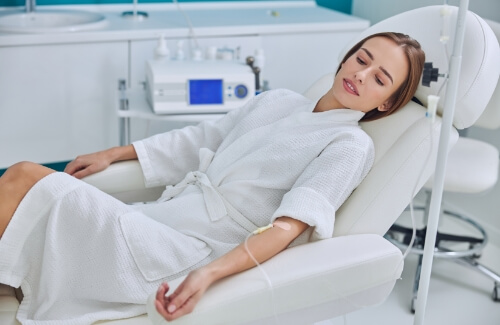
x,y
414,192
261,269
188,21
437,191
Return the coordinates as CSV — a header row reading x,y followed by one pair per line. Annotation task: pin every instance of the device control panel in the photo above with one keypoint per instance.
x,y
182,87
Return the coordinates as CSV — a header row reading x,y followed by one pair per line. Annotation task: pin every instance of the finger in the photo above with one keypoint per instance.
x,y
160,293
77,165
71,167
161,301
186,308
161,310
175,293
82,173
179,298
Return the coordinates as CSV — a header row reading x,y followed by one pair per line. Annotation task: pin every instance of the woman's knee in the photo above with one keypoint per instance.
x,y
25,171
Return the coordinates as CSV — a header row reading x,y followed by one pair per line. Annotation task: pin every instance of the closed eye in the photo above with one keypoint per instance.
x,y
379,81
360,61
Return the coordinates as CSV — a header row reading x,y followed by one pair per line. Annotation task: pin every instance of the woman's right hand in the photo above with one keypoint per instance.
x,y
183,300
88,164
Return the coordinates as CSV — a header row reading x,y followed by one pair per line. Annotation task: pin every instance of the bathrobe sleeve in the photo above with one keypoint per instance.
x,y
166,158
327,182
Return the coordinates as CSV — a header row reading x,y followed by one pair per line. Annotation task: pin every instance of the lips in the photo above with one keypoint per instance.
x,y
350,87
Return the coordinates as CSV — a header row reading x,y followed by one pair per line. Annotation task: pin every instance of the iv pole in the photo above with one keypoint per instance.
x,y
437,190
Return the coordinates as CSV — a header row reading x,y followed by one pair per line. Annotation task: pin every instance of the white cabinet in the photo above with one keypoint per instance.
x,y
56,101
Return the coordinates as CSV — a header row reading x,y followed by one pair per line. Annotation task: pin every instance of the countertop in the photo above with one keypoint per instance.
x,y
207,19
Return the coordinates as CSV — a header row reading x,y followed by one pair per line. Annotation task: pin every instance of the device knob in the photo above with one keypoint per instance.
x,y
250,61
241,91
429,74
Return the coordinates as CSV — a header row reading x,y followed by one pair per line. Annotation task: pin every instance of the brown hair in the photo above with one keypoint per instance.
x,y
416,59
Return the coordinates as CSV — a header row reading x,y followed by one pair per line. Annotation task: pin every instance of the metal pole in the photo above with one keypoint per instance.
x,y
124,121
437,190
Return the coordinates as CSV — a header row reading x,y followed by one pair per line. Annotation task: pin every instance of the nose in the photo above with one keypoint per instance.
x,y
360,75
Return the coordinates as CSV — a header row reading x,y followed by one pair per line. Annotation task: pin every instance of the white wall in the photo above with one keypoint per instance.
x,y
378,10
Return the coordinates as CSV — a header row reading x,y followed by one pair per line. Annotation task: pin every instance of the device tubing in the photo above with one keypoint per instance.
x,y
438,185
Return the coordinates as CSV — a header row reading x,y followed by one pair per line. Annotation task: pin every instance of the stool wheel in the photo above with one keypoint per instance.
x,y
495,295
477,254
413,303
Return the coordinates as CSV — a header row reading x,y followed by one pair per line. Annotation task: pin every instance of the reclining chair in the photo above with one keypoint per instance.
x,y
357,267
472,168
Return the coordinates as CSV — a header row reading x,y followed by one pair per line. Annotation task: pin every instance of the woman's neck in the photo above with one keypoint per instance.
x,y
327,102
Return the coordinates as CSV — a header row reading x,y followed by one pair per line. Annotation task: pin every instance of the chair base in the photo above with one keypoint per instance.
x,y
401,236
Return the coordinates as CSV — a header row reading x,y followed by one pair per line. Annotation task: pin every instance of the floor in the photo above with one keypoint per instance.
x,y
457,295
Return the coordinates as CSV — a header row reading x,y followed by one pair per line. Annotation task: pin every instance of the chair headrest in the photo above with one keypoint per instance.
x,y
490,118
480,64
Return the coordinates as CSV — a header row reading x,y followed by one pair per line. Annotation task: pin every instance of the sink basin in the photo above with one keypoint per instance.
x,y
50,21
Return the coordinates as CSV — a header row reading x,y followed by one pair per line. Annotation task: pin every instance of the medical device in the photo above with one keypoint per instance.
x,y
184,87
253,63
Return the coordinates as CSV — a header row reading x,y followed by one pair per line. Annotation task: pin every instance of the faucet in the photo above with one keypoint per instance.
x,y
30,5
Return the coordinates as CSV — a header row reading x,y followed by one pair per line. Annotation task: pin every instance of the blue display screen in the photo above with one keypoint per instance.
x,y
203,92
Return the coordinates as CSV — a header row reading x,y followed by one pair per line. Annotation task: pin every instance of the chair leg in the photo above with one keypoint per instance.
x,y
496,292
400,236
415,284
473,264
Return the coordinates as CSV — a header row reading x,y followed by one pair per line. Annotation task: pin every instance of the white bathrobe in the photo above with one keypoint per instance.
x,y
80,255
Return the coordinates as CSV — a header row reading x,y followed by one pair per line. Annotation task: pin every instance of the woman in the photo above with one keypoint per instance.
x,y
80,255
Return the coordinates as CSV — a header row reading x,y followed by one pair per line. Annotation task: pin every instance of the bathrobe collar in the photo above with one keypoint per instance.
x,y
342,115
338,115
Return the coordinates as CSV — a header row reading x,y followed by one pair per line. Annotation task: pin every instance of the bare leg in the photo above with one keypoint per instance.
x,y
14,184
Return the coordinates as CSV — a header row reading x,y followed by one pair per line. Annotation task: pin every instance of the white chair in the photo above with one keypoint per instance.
x,y
357,267
472,168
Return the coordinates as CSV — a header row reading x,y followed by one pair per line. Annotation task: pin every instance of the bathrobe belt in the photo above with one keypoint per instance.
x,y
217,206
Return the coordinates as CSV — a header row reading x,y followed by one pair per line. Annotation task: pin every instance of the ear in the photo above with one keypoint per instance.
x,y
384,107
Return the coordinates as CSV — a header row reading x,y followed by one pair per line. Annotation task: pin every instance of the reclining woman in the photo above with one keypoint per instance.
x,y
80,255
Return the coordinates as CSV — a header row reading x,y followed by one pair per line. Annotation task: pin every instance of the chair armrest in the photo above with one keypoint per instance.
x,y
8,306
125,181
311,282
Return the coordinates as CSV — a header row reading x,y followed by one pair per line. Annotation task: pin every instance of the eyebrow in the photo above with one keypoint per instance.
x,y
370,55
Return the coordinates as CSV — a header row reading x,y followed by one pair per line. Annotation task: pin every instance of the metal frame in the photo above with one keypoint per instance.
x,y
124,126
467,257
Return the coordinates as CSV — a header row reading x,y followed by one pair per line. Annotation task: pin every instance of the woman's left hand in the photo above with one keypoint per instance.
x,y
184,298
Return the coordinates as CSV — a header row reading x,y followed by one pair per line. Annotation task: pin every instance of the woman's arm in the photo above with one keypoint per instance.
x,y
262,247
95,162
167,157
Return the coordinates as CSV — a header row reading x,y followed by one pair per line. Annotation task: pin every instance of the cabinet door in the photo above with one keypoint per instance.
x,y
58,101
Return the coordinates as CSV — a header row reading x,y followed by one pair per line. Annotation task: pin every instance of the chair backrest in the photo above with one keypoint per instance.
x,y
404,140
490,119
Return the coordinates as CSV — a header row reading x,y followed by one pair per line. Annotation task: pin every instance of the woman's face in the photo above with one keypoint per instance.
x,y
370,76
